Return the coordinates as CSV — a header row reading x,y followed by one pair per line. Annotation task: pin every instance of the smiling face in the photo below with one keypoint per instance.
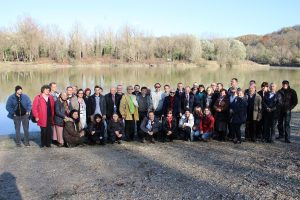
x,y
75,115
130,89
115,117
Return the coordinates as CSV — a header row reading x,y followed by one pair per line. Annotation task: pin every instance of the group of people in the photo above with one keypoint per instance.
x,y
76,116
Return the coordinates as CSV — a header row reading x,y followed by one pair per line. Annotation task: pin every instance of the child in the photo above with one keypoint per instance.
x,y
116,129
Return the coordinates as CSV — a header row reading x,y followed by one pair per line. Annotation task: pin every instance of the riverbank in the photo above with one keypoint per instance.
x,y
213,170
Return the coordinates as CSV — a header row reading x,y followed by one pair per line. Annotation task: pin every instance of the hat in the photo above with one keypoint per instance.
x,y
286,82
18,88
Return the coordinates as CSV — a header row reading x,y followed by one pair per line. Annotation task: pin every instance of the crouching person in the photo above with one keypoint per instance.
x,y
115,129
149,128
96,130
185,125
169,127
207,125
73,133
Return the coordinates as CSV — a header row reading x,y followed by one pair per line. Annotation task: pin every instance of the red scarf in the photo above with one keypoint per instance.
x,y
169,120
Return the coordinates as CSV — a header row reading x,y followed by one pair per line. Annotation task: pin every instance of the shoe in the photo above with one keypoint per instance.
x,y
27,145
239,142
143,141
119,142
152,142
279,137
234,141
287,141
60,145
18,145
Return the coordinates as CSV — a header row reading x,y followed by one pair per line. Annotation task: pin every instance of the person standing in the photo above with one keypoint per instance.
x,y
234,84
19,106
43,111
289,101
96,104
271,105
53,90
72,98
61,113
254,112
239,115
171,103
129,112
137,90
221,108
145,106
112,101
120,90
260,124
187,101
157,100
200,97
82,108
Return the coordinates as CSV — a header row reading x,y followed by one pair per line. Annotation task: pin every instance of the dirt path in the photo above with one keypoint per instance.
x,y
179,170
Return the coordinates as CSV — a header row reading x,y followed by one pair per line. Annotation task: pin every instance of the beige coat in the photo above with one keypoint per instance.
x,y
124,108
257,112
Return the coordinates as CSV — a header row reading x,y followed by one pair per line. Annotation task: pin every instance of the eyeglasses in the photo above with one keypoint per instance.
x,y
172,92
157,86
129,89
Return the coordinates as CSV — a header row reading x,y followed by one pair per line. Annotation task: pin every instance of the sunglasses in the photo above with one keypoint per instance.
x,y
172,92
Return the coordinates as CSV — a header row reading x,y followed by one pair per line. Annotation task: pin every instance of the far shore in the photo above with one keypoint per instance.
x,y
211,65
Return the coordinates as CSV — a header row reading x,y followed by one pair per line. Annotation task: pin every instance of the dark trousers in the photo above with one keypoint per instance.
x,y
24,120
142,115
46,134
113,137
269,126
251,129
129,129
95,138
230,134
169,137
283,126
260,129
144,135
236,131
185,133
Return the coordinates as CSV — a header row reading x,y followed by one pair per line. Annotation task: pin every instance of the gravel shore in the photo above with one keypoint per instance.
x,y
178,170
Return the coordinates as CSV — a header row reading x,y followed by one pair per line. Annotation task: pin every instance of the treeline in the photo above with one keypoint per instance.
x,y
28,41
278,48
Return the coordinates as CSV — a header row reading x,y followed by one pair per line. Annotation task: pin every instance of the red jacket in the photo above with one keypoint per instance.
x,y
207,124
39,109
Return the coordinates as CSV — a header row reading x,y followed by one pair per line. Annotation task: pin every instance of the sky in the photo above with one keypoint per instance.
x,y
210,18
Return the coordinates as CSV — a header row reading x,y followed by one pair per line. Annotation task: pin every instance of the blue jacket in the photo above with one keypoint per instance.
x,y
12,104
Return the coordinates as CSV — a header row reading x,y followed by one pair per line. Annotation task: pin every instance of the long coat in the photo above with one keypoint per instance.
x,y
257,111
124,108
221,118
71,133
110,105
39,109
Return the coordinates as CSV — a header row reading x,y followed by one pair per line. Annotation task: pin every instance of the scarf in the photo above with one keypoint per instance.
x,y
169,120
131,105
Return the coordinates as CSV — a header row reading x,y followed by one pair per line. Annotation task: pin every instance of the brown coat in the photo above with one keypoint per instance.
x,y
257,112
72,133
124,108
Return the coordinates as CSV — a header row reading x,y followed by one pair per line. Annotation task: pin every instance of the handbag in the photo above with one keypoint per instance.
x,y
31,117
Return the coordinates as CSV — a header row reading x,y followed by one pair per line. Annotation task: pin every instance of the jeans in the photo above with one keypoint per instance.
x,y
206,135
25,123
195,134
283,126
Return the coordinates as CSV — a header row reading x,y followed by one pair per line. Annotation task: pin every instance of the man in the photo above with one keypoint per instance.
x,y
72,99
19,106
180,90
75,89
252,82
137,90
289,101
129,111
157,99
213,86
195,87
260,125
120,89
96,104
187,101
112,101
167,90
145,105
53,91
254,113
271,104
234,85
150,126
216,95
185,126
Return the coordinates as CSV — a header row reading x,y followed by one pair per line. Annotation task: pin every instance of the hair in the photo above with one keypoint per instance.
x,y
223,90
45,87
69,87
166,85
80,90
137,85
97,86
201,85
187,109
97,116
71,114
220,84
234,79
52,83
129,86
144,88
87,89
170,111
252,81
157,84
264,84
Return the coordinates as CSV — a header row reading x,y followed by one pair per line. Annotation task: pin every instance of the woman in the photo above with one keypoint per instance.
x,y
169,127
239,115
200,97
82,108
116,129
206,125
186,124
209,94
73,133
221,115
96,130
87,94
197,118
129,112
43,112
61,113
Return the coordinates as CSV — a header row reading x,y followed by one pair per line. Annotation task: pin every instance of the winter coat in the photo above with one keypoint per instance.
x,y
124,108
60,113
289,99
257,111
115,126
207,124
91,106
176,105
39,109
166,126
110,105
155,125
12,104
71,133
239,111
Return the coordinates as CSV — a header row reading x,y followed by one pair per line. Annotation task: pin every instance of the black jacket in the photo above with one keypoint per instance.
x,y
184,102
273,103
289,99
239,111
110,105
155,125
176,106
115,126
60,113
166,127
91,106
